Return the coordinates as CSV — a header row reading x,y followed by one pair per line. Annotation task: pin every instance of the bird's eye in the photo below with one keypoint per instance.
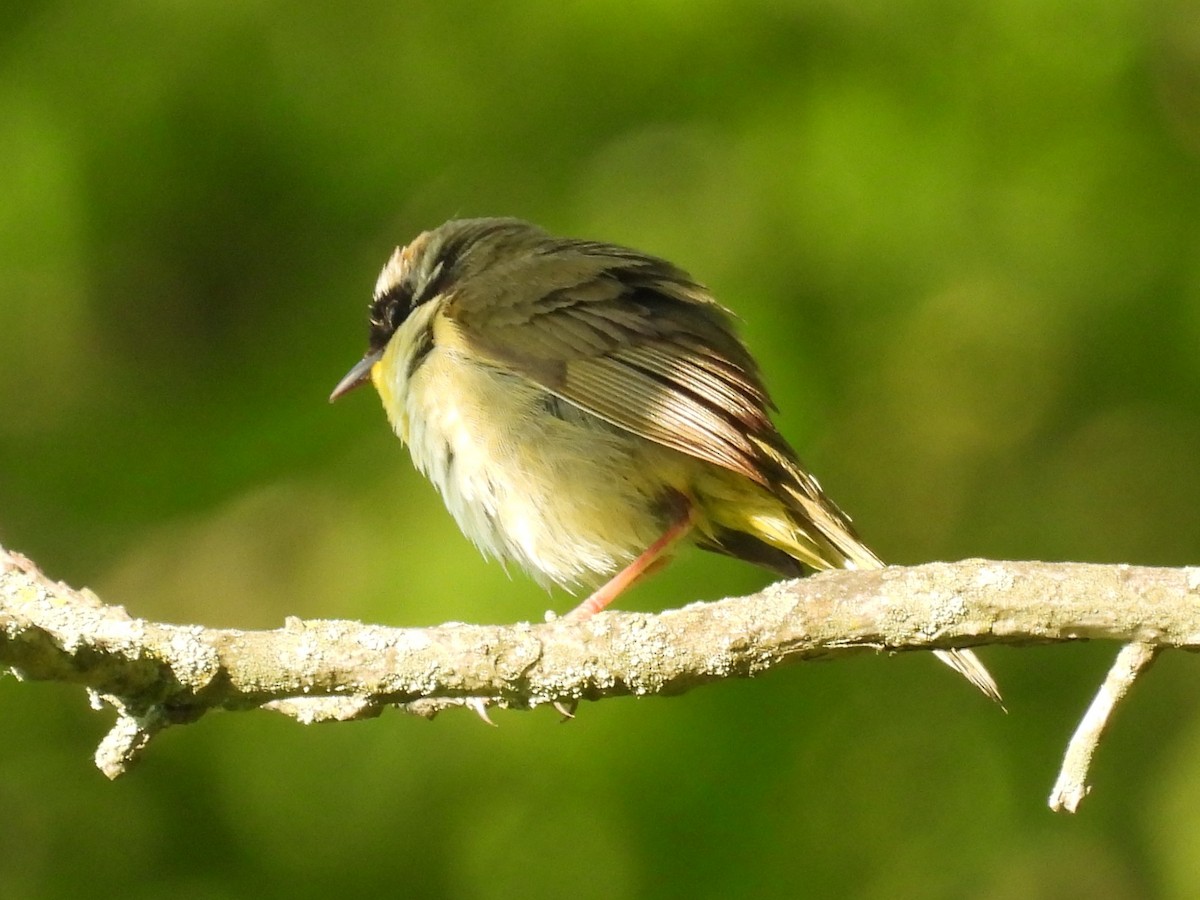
x,y
388,312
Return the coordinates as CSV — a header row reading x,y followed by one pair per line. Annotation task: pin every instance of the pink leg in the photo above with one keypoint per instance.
x,y
650,560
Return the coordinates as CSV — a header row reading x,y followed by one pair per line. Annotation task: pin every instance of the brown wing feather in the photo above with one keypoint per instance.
x,y
658,408
630,339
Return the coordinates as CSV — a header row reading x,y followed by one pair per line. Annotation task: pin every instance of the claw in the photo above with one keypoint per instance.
x,y
566,710
479,706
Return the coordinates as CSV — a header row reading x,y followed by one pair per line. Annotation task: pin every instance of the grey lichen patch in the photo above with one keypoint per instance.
x,y
125,636
946,610
757,662
128,737
193,661
1193,578
381,640
304,653
648,656
780,592
401,677
310,710
594,675
516,656
938,611
994,577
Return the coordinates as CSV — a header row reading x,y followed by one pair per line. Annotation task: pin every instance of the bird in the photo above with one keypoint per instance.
x,y
584,408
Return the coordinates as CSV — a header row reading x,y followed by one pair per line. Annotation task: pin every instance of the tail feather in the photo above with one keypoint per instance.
x,y
970,667
822,536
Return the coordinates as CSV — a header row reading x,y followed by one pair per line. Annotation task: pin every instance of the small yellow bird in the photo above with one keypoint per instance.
x,y
583,407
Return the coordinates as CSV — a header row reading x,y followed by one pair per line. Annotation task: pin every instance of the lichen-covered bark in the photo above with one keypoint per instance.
x,y
157,674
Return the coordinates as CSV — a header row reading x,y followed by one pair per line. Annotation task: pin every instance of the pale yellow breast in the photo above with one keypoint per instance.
x,y
527,477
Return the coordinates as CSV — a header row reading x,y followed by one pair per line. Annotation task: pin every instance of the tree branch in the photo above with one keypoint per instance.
x,y
157,675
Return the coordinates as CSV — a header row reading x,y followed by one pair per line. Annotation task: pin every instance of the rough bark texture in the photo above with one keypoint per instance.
x,y
158,674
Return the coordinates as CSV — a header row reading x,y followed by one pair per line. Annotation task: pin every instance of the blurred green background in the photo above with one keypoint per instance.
x,y
965,240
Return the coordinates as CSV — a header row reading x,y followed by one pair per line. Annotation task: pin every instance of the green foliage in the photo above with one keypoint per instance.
x,y
965,240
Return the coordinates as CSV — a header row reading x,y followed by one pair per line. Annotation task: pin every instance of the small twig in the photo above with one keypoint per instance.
x,y
128,737
1071,786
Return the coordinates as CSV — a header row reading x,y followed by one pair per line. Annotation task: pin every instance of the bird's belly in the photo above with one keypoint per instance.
x,y
532,479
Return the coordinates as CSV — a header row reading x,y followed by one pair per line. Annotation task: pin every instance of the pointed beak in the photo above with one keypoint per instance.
x,y
357,375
